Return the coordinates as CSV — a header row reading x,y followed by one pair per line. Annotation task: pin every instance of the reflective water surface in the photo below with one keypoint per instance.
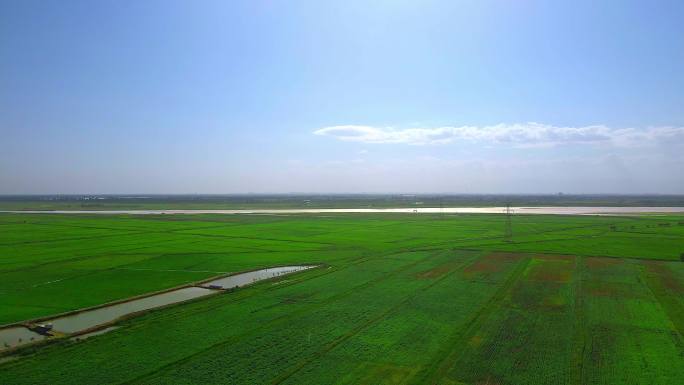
x,y
253,276
88,319
16,336
560,210
91,318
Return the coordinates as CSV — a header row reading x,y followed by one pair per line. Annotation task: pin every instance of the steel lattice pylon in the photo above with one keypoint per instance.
x,y
508,235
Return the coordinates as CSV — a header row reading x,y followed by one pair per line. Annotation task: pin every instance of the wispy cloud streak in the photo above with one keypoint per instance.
x,y
519,134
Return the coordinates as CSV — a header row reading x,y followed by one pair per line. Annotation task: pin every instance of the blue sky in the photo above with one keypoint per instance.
x,y
349,96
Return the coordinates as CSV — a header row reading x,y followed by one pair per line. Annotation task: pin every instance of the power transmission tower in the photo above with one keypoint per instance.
x,y
508,235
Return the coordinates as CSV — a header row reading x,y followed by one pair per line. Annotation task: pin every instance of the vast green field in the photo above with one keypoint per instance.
x,y
399,298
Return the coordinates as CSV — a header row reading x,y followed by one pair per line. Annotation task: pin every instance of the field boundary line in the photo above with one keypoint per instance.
x,y
656,289
439,367
581,336
532,253
128,247
257,289
140,296
333,344
17,243
287,317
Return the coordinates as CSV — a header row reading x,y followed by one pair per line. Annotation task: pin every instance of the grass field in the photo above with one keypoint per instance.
x,y
401,299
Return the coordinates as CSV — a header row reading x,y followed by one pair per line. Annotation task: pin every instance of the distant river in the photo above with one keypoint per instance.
x,y
559,210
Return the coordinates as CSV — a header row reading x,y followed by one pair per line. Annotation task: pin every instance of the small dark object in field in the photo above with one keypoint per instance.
x,y
43,329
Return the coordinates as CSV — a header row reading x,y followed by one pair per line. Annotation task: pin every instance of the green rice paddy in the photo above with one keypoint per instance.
x,y
400,299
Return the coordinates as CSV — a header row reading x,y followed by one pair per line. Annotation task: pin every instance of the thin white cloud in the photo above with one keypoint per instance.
x,y
520,135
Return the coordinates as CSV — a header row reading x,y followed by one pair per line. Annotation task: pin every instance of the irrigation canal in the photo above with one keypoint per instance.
x,y
89,322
